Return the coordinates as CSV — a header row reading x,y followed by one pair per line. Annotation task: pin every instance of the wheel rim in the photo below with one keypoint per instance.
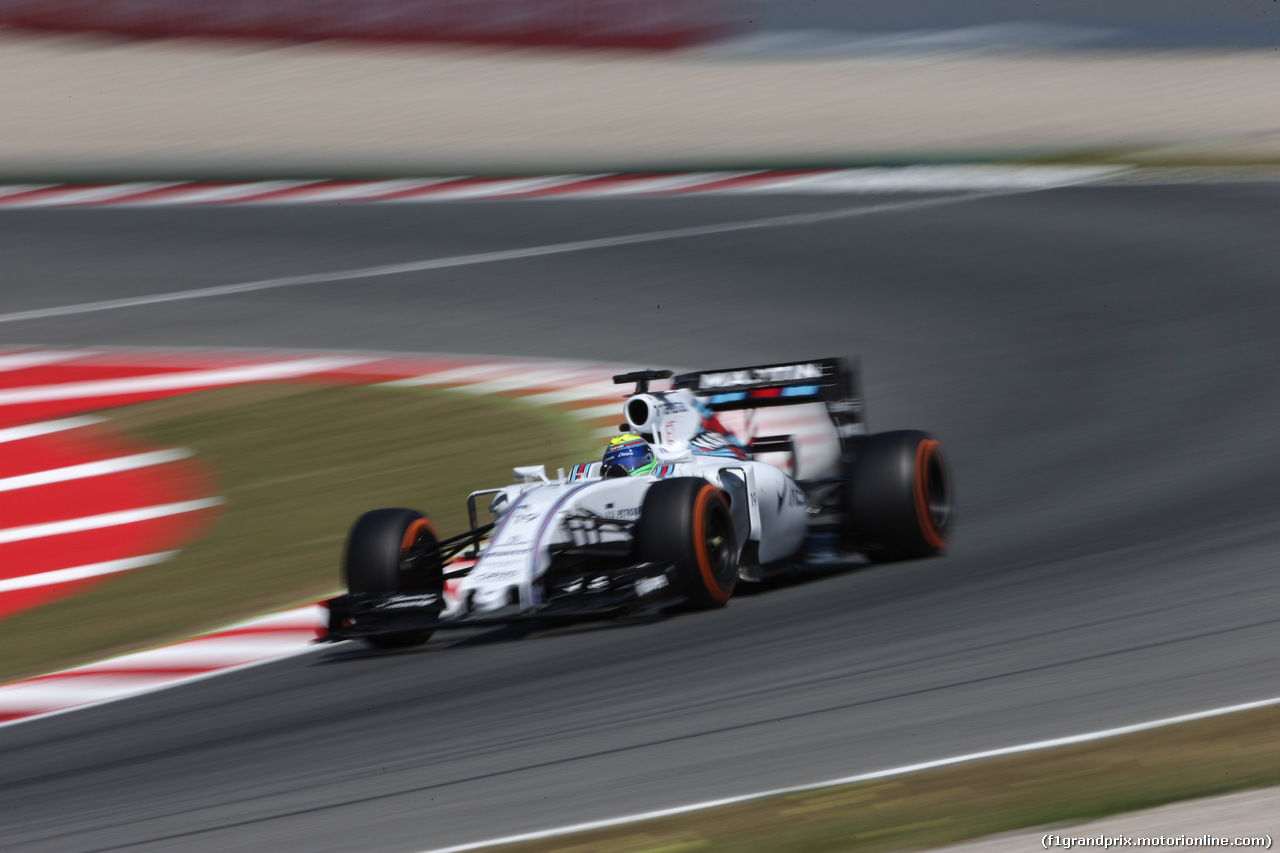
x,y
417,544
932,493
718,547
939,499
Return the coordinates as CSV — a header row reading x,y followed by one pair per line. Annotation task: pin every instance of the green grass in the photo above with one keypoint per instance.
x,y
296,465
943,806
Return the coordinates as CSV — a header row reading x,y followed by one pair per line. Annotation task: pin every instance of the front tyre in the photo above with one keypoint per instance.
x,y
686,520
898,496
393,551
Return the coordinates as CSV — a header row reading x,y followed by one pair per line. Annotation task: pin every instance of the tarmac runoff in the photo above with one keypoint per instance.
x,y
86,107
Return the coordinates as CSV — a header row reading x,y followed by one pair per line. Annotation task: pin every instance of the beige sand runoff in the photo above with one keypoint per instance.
x,y
91,106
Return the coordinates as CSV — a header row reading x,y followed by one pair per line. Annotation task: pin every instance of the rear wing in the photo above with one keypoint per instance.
x,y
832,382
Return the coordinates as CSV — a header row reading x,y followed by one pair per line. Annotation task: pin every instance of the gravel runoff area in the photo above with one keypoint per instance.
x,y
99,107
1251,814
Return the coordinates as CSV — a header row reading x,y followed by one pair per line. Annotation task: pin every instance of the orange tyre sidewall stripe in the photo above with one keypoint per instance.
x,y
924,451
705,495
411,533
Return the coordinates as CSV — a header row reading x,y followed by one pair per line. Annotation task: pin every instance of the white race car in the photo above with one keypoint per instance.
x,y
714,504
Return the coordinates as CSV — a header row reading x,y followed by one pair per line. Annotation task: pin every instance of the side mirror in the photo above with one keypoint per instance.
x,y
531,474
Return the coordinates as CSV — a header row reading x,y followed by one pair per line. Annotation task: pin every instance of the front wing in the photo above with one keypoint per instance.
x,y
566,596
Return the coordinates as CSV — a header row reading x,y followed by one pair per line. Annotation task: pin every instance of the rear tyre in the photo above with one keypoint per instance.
x,y
898,495
687,520
393,551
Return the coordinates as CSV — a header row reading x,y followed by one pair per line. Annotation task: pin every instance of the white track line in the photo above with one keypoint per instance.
x,y
792,220
175,381
923,179
19,433
214,651
24,360
32,696
302,618
106,519
80,573
861,777
93,469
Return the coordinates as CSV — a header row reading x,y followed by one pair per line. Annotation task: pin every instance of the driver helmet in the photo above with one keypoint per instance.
x,y
627,455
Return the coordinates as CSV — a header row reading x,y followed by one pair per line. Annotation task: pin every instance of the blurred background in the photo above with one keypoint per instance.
x,y
670,24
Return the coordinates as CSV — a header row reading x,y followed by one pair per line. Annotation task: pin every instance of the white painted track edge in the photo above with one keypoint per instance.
x,y
1033,746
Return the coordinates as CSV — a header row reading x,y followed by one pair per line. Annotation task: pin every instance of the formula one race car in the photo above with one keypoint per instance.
x,y
687,504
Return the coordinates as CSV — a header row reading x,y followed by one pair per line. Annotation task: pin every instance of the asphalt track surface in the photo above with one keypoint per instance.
x,y
1100,362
